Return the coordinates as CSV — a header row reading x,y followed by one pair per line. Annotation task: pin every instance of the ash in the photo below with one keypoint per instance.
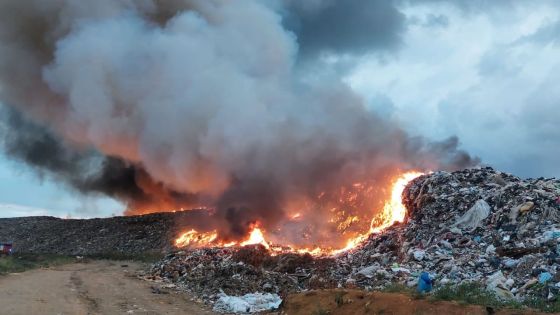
x,y
471,225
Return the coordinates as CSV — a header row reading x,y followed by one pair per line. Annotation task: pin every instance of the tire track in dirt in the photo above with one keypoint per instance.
x,y
83,294
90,288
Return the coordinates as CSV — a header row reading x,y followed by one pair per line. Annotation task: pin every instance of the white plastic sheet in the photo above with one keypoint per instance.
x,y
474,216
248,303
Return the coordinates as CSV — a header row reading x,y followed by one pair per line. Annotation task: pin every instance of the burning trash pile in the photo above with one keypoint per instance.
x,y
210,273
470,225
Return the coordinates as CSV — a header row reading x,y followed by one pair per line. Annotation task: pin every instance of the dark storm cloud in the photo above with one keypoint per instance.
x,y
345,27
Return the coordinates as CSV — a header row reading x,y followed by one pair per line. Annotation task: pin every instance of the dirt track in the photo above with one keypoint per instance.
x,y
99,287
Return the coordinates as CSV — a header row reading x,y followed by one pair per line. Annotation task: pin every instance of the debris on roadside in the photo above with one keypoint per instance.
x,y
248,303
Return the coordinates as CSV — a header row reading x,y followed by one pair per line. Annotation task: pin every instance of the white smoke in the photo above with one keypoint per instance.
x,y
204,99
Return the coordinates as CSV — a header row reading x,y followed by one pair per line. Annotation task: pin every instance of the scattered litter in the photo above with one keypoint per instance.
x,y
544,277
497,283
248,303
424,283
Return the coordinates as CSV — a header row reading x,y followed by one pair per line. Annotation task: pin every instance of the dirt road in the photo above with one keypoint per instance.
x,y
98,287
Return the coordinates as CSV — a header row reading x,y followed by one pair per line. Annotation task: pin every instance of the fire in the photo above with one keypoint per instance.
x,y
393,211
200,239
193,238
256,237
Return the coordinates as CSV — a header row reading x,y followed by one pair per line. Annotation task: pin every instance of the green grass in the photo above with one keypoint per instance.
x,y
476,293
472,293
148,257
23,262
398,288
401,288
535,299
19,262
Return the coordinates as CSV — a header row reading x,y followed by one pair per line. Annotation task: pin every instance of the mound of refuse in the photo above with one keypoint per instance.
x,y
127,235
470,225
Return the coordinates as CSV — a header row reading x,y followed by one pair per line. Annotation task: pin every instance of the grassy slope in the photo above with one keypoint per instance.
x,y
22,262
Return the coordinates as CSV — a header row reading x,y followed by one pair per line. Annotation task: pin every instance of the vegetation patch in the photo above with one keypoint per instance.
x,y
476,293
472,293
19,262
537,298
146,257
23,262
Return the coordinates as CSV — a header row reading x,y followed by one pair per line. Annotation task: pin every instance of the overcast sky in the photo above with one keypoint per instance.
x,y
485,71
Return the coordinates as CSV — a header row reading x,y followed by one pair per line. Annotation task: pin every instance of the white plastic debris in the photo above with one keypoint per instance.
x,y
248,303
510,263
369,271
509,283
497,283
491,249
419,255
474,216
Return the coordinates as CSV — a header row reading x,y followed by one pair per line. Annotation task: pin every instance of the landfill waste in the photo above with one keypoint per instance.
x,y
154,233
474,225
424,283
474,217
544,277
498,284
248,303
210,272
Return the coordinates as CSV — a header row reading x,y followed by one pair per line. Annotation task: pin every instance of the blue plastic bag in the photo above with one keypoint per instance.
x,y
545,277
424,283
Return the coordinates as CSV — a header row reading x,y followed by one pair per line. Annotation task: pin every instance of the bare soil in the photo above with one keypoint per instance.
x,y
324,302
96,287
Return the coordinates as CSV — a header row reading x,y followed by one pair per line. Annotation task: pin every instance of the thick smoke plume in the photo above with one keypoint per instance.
x,y
172,104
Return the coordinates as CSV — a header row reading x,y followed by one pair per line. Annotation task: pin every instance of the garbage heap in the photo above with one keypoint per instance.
x,y
470,225
211,273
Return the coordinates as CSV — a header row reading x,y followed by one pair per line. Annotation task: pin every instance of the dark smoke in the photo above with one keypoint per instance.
x,y
180,104
86,170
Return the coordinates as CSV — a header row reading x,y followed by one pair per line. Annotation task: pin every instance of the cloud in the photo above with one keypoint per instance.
x,y
489,77
13,210
439,20
546,34
345,27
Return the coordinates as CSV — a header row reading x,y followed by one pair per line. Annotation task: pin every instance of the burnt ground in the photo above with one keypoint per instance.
x,y
124,235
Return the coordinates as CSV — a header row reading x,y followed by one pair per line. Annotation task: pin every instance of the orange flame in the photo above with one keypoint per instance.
x,y
193,238
200,239
256,237
393,211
